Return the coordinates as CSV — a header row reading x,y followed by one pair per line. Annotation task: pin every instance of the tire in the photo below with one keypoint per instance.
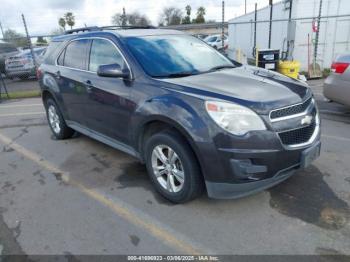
x,y
56,121
186,166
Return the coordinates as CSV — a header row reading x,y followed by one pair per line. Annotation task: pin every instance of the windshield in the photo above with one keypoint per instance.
x,y
175,55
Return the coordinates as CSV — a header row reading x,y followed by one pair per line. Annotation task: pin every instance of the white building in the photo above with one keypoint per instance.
x,y
334,36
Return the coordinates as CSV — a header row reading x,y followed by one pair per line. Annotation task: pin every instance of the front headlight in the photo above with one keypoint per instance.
x,y
234,118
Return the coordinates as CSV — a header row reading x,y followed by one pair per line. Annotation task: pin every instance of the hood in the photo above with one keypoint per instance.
x,y
254,87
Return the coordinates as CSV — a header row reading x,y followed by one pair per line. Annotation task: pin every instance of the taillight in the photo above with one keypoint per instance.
x,y
339,68
38,73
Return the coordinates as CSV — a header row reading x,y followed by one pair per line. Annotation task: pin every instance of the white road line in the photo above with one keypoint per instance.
x,y
134,216
15,106
23,114
337,138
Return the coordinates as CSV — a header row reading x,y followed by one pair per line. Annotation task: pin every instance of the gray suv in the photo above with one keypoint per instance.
x,y
199,121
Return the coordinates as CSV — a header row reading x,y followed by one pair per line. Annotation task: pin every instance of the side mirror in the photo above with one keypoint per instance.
x,y
113,70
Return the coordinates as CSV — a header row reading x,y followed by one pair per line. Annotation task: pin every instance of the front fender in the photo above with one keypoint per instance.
x,y
49,84
179,112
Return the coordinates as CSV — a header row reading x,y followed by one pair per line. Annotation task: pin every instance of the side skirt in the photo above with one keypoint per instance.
x,y
104,139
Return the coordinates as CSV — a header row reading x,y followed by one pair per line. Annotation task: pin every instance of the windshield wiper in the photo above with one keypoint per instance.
x,y
179,74
215,68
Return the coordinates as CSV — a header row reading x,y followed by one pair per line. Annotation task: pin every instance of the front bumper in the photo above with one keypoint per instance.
x,y
255,171
233,191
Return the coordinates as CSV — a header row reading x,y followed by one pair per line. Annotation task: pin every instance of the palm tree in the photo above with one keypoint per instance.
x,y
200,15
62,23
70,19
188,10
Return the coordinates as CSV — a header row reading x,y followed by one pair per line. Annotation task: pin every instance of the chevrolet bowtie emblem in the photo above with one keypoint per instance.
x,y
307,120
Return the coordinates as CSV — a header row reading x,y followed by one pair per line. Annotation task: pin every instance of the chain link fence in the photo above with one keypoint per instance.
x,y
20,55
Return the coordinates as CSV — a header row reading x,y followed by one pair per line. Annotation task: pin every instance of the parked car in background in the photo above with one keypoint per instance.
x,y
337,84
196,119
201,36
216,41
22,65
6,50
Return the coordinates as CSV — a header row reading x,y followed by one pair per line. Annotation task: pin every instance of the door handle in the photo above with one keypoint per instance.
x,y
89,86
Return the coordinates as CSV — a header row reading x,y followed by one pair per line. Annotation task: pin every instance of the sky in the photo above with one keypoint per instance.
x,y
42,15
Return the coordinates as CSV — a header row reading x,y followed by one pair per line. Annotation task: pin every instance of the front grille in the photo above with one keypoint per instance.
x,y
291,110
298,136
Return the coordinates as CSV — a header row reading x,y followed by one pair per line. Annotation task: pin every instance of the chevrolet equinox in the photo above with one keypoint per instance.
x,y
198,120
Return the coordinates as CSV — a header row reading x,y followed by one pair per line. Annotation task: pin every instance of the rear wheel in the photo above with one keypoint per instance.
x,y
173,167
56,121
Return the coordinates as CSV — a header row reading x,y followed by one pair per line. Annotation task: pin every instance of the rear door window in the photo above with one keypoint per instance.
x,y
52,52
76,54
103,52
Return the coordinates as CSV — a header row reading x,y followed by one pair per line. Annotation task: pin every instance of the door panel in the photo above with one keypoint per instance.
x,y
108,107
71,75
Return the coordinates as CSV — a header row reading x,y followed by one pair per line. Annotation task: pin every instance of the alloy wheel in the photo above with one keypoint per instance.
x,y
54,119
168,168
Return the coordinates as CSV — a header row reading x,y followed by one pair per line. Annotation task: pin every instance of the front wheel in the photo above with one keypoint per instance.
x,y
172,167
56,121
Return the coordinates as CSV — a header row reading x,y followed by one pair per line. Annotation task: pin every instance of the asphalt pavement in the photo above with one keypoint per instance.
x,y
79,196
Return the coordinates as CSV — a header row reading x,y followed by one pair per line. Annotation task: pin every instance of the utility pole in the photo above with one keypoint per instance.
x,y
223,26
288,55
29,41
255,18
124,18
270,26
317,32
245,6
2,31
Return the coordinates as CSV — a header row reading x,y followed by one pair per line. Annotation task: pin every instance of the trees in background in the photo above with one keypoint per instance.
x,y
133,19
70,19
41,41
199,19
67,19
187,18
15,38
62,23
170,16
200,16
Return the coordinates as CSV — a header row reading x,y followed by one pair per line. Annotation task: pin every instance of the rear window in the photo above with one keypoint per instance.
x,y
52,52
76,52
343,59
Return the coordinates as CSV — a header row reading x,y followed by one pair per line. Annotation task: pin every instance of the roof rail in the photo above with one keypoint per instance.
x,y
83,29
111,27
